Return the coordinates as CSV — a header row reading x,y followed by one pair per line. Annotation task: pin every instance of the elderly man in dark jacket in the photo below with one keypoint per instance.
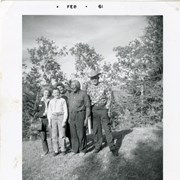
x,y
79,112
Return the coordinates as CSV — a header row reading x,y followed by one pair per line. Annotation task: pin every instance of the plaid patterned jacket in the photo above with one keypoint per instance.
x,y
100,95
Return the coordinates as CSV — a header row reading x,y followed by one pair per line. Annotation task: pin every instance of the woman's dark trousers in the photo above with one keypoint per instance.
x,y
43,134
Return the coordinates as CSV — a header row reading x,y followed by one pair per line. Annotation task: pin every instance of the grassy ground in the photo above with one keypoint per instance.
x,y
140,158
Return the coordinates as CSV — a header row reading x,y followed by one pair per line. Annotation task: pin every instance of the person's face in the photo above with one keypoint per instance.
x,y
61,89
46,94
56,93
95,81
74,87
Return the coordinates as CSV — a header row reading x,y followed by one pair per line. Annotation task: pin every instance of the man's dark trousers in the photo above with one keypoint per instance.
x,y
43,134
77,130
101,120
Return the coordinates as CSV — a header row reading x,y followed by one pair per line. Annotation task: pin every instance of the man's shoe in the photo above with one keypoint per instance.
x,y
44,154
73,153
96,150
55,153
63,153
115,152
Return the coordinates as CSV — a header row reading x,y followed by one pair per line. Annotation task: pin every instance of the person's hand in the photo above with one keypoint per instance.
x,y
109,113
64,124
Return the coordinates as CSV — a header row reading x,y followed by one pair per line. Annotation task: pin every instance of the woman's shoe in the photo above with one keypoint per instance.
x,y
44,154
55,153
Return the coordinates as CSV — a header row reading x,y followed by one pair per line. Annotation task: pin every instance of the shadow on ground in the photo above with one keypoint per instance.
x,y
118,135
145,162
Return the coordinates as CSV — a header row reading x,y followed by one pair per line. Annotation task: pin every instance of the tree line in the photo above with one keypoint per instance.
x,y
136,78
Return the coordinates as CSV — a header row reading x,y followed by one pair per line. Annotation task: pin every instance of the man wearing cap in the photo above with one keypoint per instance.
x,y
79,112
100,97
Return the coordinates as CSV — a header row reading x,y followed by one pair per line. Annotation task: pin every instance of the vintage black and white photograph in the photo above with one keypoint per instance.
x,y
92,97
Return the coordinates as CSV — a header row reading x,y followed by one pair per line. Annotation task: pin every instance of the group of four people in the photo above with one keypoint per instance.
x,y
75,108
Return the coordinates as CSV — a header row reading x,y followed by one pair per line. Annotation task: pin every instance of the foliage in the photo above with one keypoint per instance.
x,y
140,66
44,69
136,78
28,106
44,58
143,56
85,58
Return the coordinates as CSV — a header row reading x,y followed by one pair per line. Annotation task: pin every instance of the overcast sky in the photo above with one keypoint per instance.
x,y
101,32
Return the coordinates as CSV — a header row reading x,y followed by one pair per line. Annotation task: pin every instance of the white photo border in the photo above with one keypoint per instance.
x,y
11,72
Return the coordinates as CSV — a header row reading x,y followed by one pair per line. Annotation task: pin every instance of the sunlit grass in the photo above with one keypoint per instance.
x,y
140,158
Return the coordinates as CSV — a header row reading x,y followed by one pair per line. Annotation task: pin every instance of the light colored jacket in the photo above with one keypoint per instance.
x,y
57,107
